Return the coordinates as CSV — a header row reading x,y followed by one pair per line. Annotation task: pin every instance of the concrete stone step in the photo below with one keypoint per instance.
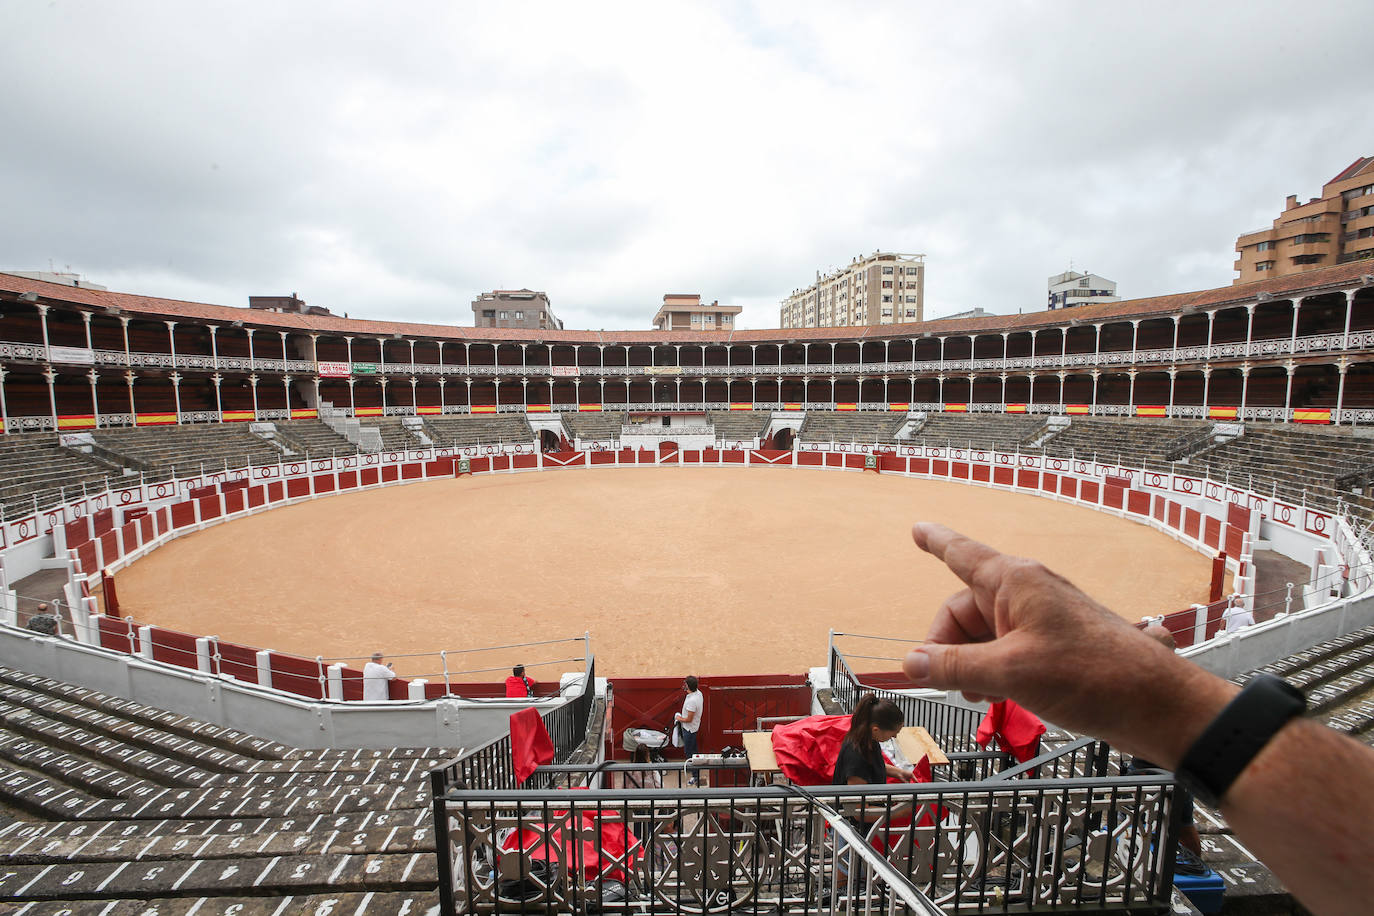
x,y
212,803
97,747
188,750
274,875
46,850
68,769
390,772
17,834
34,793
226,738
416,766
372,903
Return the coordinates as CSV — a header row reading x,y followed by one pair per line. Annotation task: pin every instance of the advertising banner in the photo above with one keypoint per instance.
x,y
564,371
82,356
332,370
364,368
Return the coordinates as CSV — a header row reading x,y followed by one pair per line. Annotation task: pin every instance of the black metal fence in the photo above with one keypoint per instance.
x,y
952,727
992,846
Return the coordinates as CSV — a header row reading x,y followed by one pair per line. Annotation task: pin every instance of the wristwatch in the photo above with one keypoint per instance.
x,y
1237,734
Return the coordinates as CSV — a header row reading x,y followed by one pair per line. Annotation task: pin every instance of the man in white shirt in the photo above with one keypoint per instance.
x,y
689,720
375,677
1237,616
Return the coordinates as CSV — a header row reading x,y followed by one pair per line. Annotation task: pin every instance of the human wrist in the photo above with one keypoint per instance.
x,y
1197,698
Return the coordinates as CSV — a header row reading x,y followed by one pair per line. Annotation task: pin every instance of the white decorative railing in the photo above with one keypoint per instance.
x,y
1267,348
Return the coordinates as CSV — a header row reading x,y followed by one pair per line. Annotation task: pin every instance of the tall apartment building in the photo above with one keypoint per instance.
x,y
514,308
686,312
882,288
1073,288
1331,229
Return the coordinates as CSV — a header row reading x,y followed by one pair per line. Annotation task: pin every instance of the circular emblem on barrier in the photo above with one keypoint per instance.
x,y
161,490
1318,523
392,456
980,456
1189,486
25,528
54,519
1154,480
1027,461
293,469
1004,459
469,450
125,497
1283,513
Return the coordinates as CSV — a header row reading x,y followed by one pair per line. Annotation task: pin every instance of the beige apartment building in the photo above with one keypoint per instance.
x,y
883,288
686,312
1331,229
514,308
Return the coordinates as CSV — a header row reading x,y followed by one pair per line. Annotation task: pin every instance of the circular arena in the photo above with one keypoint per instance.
x,y
263,498
707,570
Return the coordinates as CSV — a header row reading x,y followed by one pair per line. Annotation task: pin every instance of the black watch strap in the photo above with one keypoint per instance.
x,y
1234,737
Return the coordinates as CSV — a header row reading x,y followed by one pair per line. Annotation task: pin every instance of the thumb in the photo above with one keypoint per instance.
x,y
973,668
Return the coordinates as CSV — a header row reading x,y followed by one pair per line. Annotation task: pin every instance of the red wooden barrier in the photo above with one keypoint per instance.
x,y
732,704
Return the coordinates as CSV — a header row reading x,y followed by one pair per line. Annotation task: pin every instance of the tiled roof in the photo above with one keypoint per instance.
x,y
153,308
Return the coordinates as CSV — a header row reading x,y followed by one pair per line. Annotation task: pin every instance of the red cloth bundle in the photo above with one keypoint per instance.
x,y
530,744
1016,729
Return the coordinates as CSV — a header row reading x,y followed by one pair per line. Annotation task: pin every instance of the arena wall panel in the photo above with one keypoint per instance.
x,y
202,492
322,483
1049,482
959,470
939,468
854,462
237,661
1211,535
234,501
1183,625
102,521
412,471
481,465
810,459
603,457
147,528
129,533
296,675
348,480
982,473
1138,503
297,487
1068,486
732,705
209,507
370,476
1234,540
1192,523
390,473
183,514
710,456
524,462
173,648
1113,496
86,556
275,491
109,548
77,532
499,463
1027,479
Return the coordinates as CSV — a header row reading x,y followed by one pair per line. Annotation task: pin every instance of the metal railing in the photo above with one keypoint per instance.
x,y
1076,844
953,727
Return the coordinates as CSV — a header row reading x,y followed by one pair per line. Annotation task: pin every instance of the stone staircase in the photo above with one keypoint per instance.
x,y
109,806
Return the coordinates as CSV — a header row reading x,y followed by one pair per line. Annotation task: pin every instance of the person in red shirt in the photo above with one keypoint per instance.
x,y
517,685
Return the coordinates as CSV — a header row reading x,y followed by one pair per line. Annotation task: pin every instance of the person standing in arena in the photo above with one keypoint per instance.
x,y
375,678
689,720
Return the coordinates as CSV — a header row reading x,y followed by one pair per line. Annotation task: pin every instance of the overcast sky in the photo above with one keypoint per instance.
x,y
391,160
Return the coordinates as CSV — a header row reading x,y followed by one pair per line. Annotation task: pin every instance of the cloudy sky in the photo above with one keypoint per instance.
x,y
391,160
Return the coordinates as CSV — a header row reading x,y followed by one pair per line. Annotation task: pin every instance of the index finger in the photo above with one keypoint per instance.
x,y
962,554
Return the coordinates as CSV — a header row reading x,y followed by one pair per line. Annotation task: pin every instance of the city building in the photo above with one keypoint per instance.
x,y
64,278
882,288
686,312
514,308
1073,288
971,313
290,305
1331,229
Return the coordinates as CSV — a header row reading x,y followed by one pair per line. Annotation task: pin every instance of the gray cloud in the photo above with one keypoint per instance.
x,y
392,162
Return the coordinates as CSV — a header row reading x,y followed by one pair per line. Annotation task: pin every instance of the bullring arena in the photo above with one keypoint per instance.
x,y
227,510
746,573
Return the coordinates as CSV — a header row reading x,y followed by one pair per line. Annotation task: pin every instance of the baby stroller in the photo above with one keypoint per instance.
x,y
632,739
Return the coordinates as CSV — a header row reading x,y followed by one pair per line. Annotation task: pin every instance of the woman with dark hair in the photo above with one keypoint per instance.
x,y
861,760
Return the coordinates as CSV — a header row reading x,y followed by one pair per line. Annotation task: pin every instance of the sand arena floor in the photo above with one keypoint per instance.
x,y
672,570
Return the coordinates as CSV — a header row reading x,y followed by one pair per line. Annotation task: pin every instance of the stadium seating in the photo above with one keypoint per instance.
x,y
1295,464
593,425
312,437
1137,442
164,451
478,429
393,431
843,426
739,424
991,431
122,802
36,465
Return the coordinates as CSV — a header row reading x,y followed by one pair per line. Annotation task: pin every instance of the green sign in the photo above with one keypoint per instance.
x,y
870,462
464,466
364,368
